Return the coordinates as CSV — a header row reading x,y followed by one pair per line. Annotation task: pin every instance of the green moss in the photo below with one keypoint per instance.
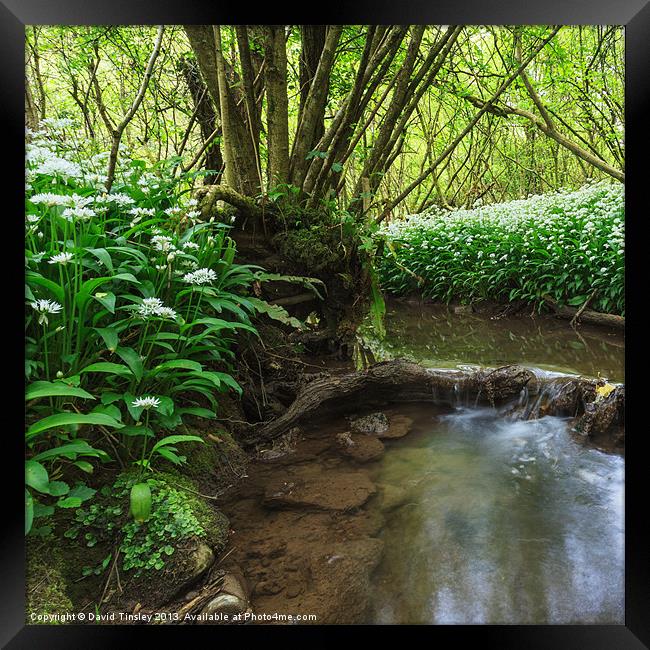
x,y
46,589
316,248
217,462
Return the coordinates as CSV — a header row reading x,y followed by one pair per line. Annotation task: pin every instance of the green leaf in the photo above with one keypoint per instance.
x,y
36,476
172,440
108,367
56,290
183,364
69,502
170,454
132,360
103,256
166,406
81,491
65,419
84,466
198,412
276,312
71,451
54,389
29,511
110,336
59,488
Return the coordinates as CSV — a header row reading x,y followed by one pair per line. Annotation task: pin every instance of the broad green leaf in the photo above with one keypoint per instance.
x,y
36,476
108,367
182,364
54,389
71,450
132,360
69,502
172,440
66,419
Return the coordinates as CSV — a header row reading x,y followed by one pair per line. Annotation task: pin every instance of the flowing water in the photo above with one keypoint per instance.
x,y
503,521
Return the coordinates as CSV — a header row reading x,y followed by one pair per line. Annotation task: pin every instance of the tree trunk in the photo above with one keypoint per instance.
x,y
207,118
238,150
277,109
312,43
314,108
31,113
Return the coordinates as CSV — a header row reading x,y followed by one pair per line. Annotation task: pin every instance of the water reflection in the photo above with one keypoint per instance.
x,y
505,522
435,336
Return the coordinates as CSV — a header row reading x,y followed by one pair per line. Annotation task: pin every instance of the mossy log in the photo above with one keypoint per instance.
x,y
520,391
207,197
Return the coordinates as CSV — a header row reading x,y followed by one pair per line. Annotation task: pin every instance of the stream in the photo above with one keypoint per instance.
x,y
467,516
507,521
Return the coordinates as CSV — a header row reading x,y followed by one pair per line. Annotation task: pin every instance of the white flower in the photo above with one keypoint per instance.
x,y
49,199
167,312
45,307
155,307
162,243
146,403
149,307
60,258
190,245
55,124
200,276
32,218
59,167
142,212
78,214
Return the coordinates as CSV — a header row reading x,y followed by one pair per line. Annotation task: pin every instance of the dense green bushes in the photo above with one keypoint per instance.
x,y
132,305
566,245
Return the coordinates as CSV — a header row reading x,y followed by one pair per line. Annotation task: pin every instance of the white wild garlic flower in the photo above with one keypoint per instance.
x,y
146,403
45,307
60,258
200,276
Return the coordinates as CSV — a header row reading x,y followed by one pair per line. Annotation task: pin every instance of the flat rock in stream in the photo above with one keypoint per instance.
x,y
382,426
398,427
359,447
328,490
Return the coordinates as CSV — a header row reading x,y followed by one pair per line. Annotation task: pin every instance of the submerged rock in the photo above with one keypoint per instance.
x,y
391,496
361,448
328,490
398,427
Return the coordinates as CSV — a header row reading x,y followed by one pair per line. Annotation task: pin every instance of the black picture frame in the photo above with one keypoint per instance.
x,y
633,14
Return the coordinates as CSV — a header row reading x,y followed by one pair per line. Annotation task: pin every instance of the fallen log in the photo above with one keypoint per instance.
x,y
525,394
586,315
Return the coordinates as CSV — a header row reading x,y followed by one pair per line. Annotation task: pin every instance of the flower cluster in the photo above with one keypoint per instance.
x,y
200,276
566,245
152,307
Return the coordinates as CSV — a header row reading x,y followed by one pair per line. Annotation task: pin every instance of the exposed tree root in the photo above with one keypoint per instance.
x,y
397,381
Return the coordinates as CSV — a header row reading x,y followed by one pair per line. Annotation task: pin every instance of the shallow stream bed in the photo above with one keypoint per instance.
x,y
472,517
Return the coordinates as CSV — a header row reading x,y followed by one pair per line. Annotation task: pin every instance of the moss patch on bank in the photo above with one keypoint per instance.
x,y
46,590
